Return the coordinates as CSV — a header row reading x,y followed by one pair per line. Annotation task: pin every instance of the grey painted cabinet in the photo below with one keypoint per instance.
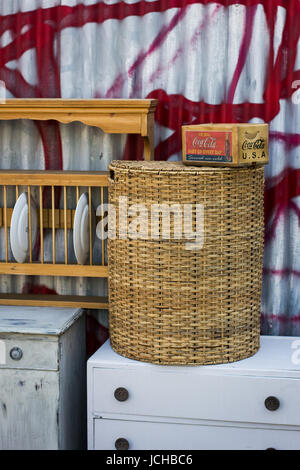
x,y
42,378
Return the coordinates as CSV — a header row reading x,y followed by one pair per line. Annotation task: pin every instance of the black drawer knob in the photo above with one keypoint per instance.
x,y
121,394
16,353
122,444
272,403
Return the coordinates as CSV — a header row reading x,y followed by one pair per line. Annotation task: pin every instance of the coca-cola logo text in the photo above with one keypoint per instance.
x,y
257,144
204,143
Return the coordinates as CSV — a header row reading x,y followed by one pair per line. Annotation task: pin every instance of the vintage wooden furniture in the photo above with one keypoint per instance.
x,y
116,116
113,116
69,185
42,378
253,404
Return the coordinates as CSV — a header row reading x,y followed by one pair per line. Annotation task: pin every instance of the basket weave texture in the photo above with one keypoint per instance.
x,y
173,305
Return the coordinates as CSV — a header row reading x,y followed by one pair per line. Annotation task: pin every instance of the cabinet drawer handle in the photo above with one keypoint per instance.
x,y
272,403
122,444
121,394
16,353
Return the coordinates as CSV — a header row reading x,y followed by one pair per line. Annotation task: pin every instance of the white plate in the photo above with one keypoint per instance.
x,y
19,228
81,229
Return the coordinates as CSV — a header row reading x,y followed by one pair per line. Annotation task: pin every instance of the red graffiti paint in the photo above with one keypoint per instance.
x,y
281,318
281,272
279,192
173,110
39,29
248,30
28,288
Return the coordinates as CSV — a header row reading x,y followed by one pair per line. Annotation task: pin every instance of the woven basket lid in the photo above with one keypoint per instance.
x,y
170,167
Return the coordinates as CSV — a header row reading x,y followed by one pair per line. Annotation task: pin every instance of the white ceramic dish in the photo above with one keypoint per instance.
x,y
19,228
81,229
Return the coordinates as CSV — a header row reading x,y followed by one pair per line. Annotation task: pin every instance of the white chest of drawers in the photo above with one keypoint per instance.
x,y
249,404
42,378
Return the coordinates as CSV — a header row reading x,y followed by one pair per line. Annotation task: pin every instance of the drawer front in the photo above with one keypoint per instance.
x,y
180,395
28,352
29,402
160,436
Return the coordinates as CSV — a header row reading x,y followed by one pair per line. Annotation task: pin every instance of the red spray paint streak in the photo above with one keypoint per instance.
x,y
134,146
281,272
173,110
280,323
281,318
279,192
248,30
142,56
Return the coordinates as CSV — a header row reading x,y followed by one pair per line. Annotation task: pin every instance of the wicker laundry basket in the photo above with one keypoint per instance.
x,y
174,299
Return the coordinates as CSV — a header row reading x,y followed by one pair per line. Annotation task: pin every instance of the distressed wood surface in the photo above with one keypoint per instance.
x,y
73,391
39,352
37,320
28,405
42,395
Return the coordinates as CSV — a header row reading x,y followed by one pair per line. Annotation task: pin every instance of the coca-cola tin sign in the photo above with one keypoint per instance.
x,y
225,144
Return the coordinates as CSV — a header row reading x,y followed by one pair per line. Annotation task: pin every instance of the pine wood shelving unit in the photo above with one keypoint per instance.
x,y
112,116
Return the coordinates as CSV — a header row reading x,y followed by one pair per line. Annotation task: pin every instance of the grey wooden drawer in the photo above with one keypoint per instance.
x,y
34,352
29,409
142,435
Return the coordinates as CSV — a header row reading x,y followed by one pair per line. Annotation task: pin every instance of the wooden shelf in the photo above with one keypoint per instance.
x,y
115,116
51,269
92,302
53,178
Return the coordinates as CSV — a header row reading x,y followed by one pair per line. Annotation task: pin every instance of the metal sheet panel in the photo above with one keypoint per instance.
x,y
225,61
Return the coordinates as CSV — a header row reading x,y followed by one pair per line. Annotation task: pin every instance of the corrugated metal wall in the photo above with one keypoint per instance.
x,y
225,61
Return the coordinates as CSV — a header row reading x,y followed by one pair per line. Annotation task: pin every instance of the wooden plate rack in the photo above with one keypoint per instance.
x,y
113,116
62,188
